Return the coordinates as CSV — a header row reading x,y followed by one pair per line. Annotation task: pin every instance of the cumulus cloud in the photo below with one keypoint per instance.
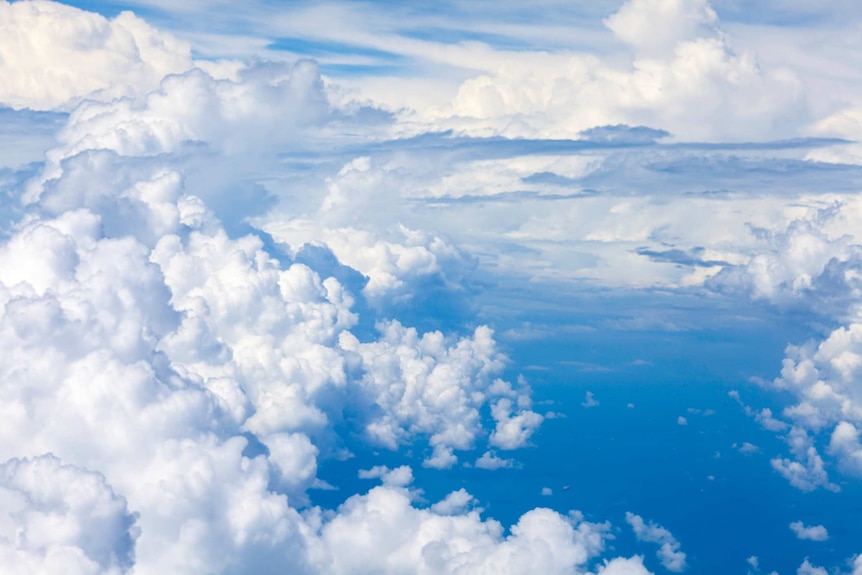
x,y
399,477
669,553
402,265
383,532
490,460
807,470
811,533
813,263
821,378
808,569
685,77
53,55
60,518
677,20
131,316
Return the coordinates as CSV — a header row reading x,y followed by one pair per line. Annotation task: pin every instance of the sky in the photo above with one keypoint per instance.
x,y
343,287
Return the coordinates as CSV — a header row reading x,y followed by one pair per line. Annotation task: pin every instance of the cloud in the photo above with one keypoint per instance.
x,y
748,448
399,477
812,533
55,55
589,400
490,460
138,307
807,470
381,531
812,264
134,312
669,553
456,503
635,23
60,518
808,569
403,265
683,59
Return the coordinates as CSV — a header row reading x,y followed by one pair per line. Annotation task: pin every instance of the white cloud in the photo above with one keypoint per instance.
x,y
807,470
399,477
811,533
589,400
54,55
130,316
490,460
60,518
808,569
685,77
656,26
669,553
382,532
456,503
764,417
396,259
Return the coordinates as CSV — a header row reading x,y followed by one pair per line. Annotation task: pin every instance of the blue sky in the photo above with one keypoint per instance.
x,y
367,287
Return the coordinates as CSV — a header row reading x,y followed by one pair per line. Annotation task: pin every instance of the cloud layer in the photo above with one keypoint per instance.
x,y
132,317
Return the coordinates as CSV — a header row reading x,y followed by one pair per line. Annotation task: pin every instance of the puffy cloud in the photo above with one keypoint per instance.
x,y
383,533
812,533
685,77
656,26
807,470
432,385
490,460
401,264
454,503
514,425
60,518
812,255
808,569
399,477
130,316
52,55
622,566
669,553
813,263
844,443
822,379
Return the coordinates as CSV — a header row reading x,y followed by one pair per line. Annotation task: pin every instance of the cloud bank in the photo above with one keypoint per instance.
x,y
169,386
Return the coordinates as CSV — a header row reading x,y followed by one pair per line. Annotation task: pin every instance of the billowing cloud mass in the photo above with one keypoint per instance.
x,y
62,519
684,76
53,55
814,263
146,348
219,278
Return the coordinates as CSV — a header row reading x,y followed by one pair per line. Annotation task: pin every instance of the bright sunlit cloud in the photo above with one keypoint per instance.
x,y
343,287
